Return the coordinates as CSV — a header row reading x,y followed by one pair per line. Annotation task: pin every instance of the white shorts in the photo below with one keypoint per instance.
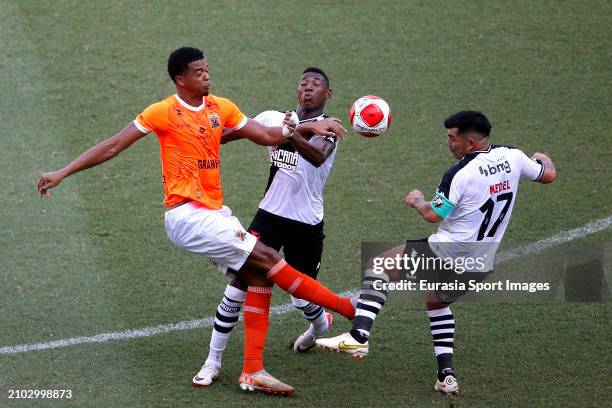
x,y
215,234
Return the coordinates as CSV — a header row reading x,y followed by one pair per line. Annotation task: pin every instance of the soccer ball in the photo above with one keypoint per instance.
x,y
370,116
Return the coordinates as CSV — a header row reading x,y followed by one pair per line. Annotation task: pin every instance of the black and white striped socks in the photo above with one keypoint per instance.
x,y
315,314
371,299
226,318
442,326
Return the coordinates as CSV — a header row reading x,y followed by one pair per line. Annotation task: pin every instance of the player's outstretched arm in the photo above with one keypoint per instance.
x,y
98,154
550,173
270,136
258,134
416,200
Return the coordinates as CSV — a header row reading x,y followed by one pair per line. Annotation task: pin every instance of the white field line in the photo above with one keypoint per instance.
x,y
207,322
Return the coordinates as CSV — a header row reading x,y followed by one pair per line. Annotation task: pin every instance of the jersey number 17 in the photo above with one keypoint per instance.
x,y
487,209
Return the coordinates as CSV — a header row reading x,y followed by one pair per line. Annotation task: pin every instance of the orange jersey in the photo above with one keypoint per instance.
x,y
189,139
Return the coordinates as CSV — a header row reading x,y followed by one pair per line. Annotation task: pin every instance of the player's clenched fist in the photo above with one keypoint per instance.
x,y
413,197
48,181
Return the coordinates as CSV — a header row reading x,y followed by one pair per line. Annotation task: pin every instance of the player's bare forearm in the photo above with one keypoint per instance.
x,y
416,200
105,150
98,154
315,152
425,211
260,134
550,172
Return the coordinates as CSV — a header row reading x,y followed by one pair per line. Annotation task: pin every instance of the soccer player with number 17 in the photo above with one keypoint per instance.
x,y
473,204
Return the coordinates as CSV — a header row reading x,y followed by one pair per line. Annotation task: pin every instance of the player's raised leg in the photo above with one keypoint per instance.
x,y
292,281
372,298
264,258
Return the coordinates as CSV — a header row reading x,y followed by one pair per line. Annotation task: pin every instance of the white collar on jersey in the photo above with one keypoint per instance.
x,y
315,119
188,106
487,150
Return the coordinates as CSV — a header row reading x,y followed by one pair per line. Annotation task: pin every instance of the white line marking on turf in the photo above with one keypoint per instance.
x,y
560,238
135,333
533,248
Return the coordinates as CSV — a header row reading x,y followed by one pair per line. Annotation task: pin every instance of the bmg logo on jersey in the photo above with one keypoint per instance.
x,y
498,168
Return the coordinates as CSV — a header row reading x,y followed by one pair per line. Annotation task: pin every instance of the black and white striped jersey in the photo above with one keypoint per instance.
x,y
295,187
475,199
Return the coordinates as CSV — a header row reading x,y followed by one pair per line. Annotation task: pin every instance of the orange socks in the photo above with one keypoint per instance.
x,y
257,308
256,322
304,287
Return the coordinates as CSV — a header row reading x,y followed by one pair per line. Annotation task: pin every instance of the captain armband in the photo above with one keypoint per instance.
x,y
442,205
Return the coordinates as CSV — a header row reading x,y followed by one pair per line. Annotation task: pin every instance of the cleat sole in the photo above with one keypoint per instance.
x,y
200,385
252,388
354,356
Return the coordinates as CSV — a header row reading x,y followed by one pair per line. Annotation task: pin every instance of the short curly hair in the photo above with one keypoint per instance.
x,y
180,59
317,71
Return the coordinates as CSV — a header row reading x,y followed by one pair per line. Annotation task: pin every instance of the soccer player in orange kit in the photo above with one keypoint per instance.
x,y
189,125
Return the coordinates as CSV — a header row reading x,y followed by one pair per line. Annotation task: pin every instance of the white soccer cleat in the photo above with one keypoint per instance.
x,y
264,382
307,340
344,343
207,374
448,386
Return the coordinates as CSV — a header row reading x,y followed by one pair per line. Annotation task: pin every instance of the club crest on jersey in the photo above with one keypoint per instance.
x,y
241,235
178,112
214,121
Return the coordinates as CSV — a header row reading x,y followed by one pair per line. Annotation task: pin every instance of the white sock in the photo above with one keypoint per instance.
x,y
315,314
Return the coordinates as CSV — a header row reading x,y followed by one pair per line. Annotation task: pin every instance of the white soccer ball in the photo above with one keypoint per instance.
x,y
370,116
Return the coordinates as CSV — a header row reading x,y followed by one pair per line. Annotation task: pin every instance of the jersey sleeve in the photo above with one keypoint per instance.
x,y
530,169
270,118
232,117
448,194
151,118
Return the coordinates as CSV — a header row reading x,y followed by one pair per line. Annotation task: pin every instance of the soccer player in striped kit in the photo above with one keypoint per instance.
x,y
290,217
473,205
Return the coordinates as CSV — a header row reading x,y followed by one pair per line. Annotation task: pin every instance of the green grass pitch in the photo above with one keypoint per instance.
x,y
94,258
